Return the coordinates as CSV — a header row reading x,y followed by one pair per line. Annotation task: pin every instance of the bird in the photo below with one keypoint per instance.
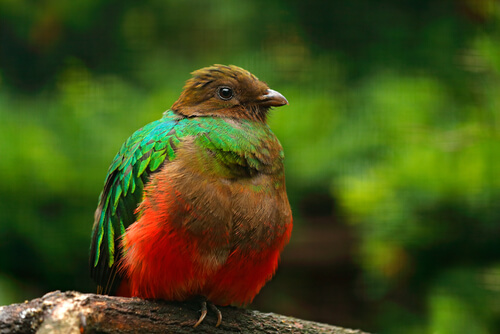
x,y
194,205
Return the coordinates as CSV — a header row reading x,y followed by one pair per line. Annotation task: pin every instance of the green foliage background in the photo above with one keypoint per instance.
x,y
391,140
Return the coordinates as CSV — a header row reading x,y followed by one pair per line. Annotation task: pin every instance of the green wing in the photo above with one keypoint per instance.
x,y
140,156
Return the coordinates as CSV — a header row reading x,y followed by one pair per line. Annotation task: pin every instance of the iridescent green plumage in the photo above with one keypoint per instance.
x,y
242,148
138,157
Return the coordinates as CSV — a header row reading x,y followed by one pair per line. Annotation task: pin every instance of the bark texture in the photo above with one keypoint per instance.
x,y
74,312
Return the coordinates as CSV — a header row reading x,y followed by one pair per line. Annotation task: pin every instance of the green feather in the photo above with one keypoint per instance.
x,y
111,244
158,157
116,196
144,163
126,178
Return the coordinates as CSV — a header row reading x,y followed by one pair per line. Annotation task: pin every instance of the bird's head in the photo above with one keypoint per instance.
x,y
227,91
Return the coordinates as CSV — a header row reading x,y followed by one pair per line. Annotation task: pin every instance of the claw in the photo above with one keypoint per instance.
x,y
203,313
214,308
219,313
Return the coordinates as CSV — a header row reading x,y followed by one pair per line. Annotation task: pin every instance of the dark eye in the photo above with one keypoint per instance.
x,y
225,93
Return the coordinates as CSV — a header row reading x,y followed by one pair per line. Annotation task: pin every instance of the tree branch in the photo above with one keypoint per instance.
x,y
74,312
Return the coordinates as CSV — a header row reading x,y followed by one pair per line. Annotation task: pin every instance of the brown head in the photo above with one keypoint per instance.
x,y
227,91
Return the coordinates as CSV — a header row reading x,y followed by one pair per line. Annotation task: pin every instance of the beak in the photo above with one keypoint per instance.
x,y
272,98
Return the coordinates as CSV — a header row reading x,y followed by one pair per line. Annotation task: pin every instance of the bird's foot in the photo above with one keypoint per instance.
x,y
212,307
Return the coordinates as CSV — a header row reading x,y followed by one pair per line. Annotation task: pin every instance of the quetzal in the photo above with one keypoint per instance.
x,y
195,204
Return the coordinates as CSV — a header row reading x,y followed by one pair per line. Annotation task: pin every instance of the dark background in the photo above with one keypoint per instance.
x,y
391,141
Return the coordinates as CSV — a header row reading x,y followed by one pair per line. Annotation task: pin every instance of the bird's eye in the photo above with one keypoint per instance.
x,y
225,93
